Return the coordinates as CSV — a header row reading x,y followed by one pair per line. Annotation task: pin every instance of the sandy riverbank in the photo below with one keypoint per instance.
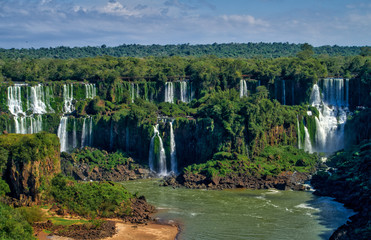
x,y
128,231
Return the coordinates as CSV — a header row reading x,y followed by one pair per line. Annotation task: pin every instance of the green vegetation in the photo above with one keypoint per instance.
x,y
241,50
271,162
27,148
100,158
13,226
101,199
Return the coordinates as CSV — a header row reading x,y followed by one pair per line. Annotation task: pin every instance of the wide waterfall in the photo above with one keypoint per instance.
x,y
90,91
332,106
161,156
36,101
68,98
169,92
63,134
174,163
243,88
184,93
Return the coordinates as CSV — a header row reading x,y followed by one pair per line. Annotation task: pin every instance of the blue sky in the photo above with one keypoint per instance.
x,y
50,23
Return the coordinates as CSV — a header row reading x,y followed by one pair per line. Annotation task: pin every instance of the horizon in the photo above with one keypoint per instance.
x,y
179,44
80,23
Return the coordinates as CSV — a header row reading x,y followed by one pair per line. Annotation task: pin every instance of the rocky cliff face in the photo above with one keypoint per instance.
x,y
32,162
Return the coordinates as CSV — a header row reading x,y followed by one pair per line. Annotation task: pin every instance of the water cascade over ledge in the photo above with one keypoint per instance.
x,y
332,106
160,155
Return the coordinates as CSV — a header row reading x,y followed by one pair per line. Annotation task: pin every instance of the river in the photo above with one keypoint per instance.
x,y
244,214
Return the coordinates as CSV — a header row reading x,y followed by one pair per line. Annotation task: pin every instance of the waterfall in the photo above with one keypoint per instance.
x,y
169,92
62,134
174,164
292,93
35,103
68,98
283,92
15,100
243,88
90,91
138,92
184,92
39,99
307,143
87,132
74,137
161,155
332,107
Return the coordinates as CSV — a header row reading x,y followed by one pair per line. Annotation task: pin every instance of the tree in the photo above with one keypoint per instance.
x,y
306,51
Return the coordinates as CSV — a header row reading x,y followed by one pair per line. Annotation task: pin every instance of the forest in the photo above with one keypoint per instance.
x,y
233,50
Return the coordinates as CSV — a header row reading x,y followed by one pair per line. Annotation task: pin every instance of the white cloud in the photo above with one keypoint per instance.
x,y
116,8
245,19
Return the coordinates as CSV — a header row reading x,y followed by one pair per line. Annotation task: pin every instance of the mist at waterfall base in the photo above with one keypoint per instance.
x,y
244,214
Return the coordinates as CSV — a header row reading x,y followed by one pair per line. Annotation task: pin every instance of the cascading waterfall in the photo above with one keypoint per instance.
x,y
332,107
184,95
15,99
62,134
162,171
90,91
68,98
169,92
174,163
37,102
243,88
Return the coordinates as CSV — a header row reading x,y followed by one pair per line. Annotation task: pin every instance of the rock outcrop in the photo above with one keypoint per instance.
x,y
32,161
283,181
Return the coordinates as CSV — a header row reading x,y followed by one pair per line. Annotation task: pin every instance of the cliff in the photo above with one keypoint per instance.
x,y
31,162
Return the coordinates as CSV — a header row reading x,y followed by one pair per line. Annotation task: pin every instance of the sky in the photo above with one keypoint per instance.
x,y
51,23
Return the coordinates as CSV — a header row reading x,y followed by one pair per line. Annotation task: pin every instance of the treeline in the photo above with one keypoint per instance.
x,y
234,50
211,70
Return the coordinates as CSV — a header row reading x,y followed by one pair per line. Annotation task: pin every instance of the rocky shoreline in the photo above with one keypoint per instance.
x,y
283,181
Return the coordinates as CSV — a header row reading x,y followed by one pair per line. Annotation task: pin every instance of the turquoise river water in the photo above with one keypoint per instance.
x,y
244,214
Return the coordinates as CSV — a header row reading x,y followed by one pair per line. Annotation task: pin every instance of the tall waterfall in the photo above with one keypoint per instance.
x,y
90,91
243,88
332,107
62,134
174,163
15,99
162,171
87,132
169,92
184,93
307,142
68,98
